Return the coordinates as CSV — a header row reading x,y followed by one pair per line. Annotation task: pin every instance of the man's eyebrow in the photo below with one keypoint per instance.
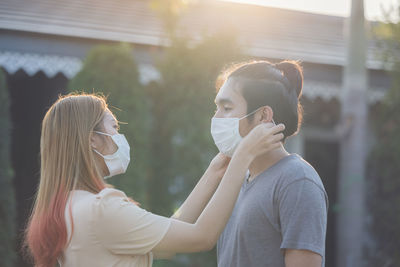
x,y
223,101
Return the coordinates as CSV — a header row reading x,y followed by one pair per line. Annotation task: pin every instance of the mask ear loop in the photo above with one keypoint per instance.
x,y
255,112
102,134
98,152
250,113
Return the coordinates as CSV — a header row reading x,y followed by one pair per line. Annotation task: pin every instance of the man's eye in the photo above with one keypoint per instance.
x,y
227,109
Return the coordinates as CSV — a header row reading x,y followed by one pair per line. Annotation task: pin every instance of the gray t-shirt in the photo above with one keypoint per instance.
x,y
285,207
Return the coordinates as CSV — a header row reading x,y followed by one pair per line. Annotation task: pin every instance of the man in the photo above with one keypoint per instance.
x,y
280,216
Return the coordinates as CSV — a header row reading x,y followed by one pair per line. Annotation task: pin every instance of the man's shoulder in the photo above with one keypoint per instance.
x,y
297,169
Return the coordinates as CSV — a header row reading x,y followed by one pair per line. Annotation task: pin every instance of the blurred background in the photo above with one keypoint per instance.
x,y
158,60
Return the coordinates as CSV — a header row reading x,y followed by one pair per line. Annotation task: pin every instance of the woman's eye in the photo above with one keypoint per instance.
x,y
227,108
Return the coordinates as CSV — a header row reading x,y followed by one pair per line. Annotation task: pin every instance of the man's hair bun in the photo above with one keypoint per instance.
x,y
294,74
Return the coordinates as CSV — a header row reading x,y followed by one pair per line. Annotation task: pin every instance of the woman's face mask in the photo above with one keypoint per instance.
x,y
226,135
117,162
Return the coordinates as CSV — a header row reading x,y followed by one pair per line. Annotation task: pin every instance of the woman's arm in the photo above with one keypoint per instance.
x,y
197,200
194,205
203,235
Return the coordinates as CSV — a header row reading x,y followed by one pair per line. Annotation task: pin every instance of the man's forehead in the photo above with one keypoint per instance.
x,y
227,92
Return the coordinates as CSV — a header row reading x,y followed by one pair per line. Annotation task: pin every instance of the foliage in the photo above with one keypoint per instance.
x,y
170,12
387,37
182,107
7,197
384,174
111,69
384,168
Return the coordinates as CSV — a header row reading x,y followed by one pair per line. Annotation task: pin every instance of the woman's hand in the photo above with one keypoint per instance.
x,y
218,166
261,139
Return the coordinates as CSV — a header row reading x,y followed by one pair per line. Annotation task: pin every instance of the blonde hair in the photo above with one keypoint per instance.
x,y
67,163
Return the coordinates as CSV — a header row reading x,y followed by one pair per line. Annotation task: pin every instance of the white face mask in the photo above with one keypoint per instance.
x,y
117,162
225,132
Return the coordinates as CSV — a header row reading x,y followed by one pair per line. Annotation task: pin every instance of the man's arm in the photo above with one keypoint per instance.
x,y
302,258
303,217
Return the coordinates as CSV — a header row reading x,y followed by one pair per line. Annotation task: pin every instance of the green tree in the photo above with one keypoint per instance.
x,y
170,12
384,167
111,69
182,107
7,197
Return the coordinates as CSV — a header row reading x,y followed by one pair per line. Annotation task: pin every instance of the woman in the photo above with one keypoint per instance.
x,y
78,221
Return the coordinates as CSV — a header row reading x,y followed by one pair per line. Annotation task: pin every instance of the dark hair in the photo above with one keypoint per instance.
x,y
279,86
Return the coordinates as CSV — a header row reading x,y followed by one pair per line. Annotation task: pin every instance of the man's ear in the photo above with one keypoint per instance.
x,y
267,114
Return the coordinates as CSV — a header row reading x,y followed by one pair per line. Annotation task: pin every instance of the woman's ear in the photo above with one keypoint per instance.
x,y
267,114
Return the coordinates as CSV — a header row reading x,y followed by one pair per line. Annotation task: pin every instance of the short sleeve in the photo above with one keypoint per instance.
x,y
303,216
124,228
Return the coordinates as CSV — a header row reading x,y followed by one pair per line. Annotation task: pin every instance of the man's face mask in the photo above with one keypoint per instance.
x,y
117,162
225,132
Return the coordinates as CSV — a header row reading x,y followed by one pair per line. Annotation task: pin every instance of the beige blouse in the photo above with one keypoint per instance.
x,y
109,230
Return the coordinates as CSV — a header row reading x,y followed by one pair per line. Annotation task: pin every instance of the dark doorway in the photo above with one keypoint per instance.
x,y
324,157
30,97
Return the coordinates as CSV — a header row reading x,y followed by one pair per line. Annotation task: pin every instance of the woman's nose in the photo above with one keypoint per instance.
x,y
217,114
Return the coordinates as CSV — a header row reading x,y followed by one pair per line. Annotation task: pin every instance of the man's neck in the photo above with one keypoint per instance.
x,y
265,161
